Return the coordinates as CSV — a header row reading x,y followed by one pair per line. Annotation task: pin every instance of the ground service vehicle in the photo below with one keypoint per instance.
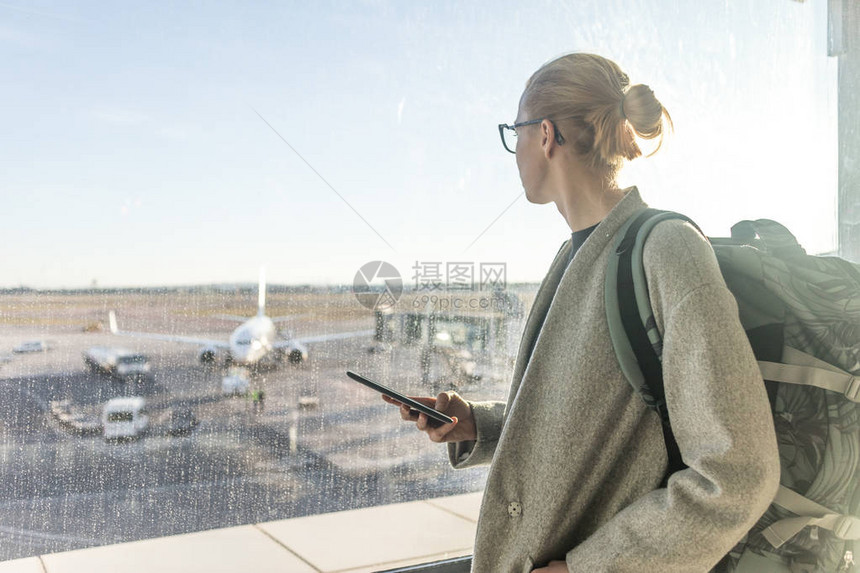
x,y
124,418
117,362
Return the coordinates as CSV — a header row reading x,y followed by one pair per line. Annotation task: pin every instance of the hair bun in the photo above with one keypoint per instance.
x,y
644,111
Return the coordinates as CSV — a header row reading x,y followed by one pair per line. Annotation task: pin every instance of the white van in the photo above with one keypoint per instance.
x,y
124,418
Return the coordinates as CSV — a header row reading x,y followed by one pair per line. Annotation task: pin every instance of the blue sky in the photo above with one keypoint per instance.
x,y
132,152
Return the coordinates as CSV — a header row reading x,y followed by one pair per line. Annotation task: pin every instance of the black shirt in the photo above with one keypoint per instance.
x,y
577,238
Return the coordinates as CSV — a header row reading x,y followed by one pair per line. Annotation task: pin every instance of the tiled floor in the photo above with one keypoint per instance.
x,y
357,541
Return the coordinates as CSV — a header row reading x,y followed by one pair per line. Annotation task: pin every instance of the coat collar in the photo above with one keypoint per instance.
x,y
584,258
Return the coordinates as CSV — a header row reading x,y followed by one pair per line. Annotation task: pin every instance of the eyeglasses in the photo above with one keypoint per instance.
x,y
508,133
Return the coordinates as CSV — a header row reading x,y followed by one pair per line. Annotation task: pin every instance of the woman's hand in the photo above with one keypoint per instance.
x,y
450,404
553,567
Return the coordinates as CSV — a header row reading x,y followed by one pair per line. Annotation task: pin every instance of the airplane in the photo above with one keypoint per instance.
x,y
253,343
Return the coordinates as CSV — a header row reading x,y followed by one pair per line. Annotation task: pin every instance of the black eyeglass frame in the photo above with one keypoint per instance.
x,y
503,126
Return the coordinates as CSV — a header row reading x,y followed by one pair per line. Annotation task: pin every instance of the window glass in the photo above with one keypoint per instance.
x,y
155,157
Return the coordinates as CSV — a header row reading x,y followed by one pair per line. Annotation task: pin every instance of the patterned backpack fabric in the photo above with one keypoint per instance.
x,y
801,314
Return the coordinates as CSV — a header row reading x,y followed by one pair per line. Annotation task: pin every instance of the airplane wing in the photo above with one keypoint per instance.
x,y
167,337
322,338
282,319
234,317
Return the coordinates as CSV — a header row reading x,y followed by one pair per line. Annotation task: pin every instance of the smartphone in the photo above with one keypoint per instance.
x,y
437,418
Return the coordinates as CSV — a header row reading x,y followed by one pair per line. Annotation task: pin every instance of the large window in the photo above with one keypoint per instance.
x,y
154,157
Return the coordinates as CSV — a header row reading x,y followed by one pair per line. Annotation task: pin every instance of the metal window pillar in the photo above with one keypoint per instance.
x,y
458,565
844,43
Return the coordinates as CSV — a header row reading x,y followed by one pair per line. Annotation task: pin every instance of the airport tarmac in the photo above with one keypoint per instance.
x,y
320,442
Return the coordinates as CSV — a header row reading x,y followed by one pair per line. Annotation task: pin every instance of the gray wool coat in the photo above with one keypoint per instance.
x,y
577,459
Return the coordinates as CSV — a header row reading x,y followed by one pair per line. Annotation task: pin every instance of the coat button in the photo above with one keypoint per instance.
x,y
514,509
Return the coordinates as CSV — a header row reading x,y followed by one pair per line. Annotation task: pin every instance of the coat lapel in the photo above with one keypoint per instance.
x,y
539,309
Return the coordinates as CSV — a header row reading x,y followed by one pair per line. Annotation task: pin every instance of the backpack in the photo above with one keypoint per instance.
x,y
801,314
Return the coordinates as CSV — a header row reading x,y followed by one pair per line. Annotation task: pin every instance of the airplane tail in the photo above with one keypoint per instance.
x,y
261,293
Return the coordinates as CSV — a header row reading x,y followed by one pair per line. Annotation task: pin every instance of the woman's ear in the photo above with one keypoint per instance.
x,y
549,138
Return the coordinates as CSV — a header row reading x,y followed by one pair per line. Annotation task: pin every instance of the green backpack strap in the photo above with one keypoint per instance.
x,y
799,367
808,512
632,327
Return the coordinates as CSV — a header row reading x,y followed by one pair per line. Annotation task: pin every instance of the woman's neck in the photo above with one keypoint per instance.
x,y
583,206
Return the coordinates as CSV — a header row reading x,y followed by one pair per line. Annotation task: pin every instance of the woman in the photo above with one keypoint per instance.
x,y
577,458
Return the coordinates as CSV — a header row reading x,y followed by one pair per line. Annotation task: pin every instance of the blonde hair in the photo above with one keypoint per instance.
x,y
593,96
